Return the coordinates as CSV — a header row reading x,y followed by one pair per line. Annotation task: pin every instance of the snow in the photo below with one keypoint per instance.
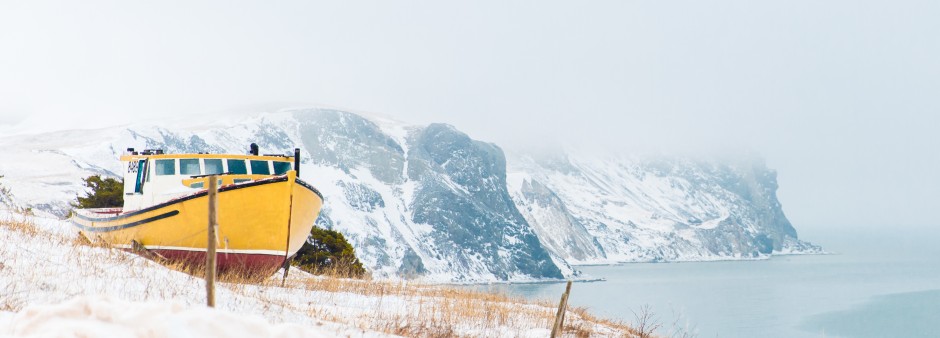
x,y
608,211
77,290
105,316
54,286
633,211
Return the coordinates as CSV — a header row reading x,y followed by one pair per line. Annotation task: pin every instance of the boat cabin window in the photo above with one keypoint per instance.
x,y
165,167
260,168
189,166
281,167
237,167
141,168
213,166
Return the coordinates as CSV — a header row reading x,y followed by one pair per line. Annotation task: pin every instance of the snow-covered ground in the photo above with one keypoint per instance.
x,y
54,285
104,316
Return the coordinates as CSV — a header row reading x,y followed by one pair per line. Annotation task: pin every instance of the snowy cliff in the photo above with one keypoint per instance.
x,y
430,202
618,209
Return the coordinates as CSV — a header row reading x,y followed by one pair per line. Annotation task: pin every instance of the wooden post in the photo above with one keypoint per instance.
x,y
210,245
561,323
558,327
286,268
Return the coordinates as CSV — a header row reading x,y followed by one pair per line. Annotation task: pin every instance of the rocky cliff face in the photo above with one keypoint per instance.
x,y
430,202
421,201
653,209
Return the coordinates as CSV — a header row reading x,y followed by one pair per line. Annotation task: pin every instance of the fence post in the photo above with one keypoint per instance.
x,y
561,323
210,245
558,327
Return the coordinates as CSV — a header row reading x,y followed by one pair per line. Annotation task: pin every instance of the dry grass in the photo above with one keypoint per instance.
x,y
12,299
21,224
397,307
422,310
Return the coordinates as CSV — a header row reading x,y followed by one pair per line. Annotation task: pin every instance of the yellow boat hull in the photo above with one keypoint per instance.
x,y
261,223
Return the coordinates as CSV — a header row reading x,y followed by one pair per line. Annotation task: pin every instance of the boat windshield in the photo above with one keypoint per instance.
x,y
260,168
189,166
281,167
213,166
237,167
165,167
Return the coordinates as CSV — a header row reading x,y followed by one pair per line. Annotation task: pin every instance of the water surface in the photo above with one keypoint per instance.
x,y
877,285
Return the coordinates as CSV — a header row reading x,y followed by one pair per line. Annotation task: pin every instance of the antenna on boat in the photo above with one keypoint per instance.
x,y
297,161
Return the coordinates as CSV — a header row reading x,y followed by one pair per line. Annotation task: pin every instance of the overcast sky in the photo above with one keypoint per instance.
x,y
841,97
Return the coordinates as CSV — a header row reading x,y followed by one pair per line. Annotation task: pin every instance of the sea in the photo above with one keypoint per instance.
x,y
874,283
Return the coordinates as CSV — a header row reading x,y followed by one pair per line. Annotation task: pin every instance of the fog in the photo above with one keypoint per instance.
x,y
839,96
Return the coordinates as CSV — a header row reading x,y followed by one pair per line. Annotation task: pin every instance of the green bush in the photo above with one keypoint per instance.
x,y
105,193
328,252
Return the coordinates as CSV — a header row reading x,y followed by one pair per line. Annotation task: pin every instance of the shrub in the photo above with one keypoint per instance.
x,y
105,193
327,252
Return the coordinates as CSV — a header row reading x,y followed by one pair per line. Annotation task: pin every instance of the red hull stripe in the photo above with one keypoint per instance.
x,y
227,262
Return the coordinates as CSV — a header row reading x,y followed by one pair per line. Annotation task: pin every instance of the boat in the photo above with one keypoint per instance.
x,y
265,211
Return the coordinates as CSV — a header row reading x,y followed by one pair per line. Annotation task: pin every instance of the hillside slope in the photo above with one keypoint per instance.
x,y
429,202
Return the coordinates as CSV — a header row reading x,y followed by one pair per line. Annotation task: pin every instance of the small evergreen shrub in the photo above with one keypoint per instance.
x,y
328,252
105,193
